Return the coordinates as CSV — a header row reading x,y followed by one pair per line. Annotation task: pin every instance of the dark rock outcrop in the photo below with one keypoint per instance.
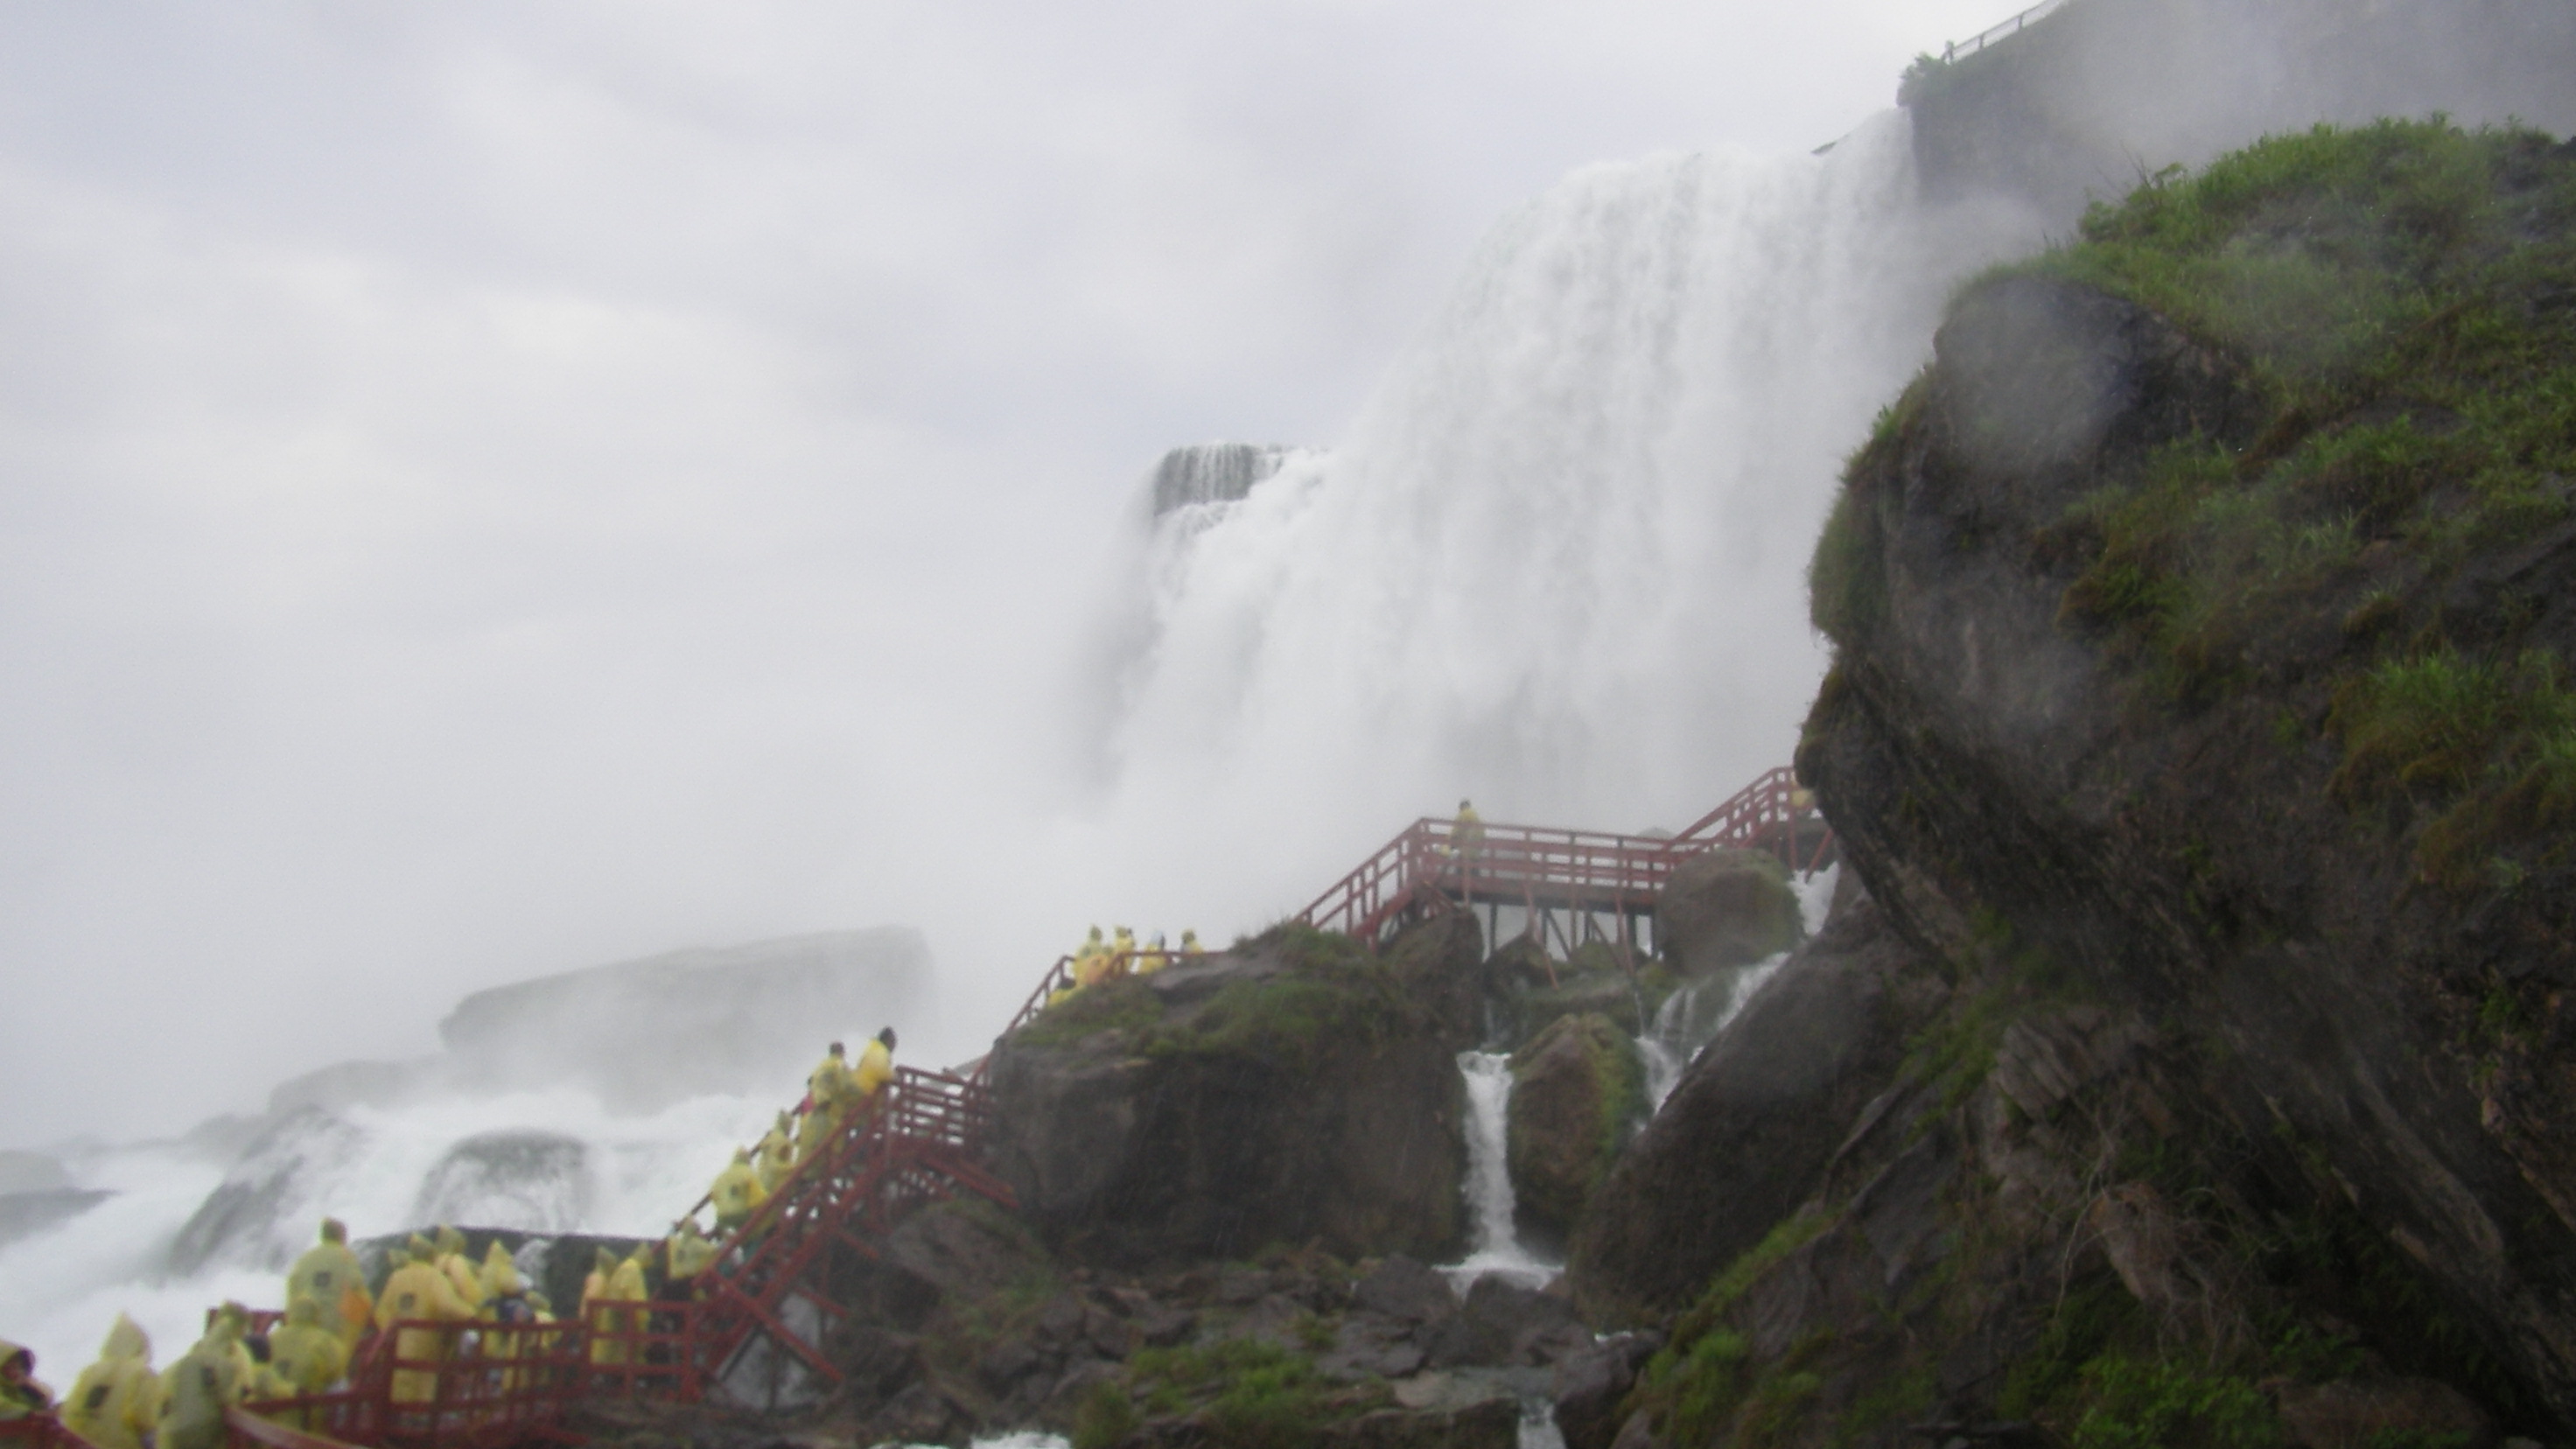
x,y
2212,1084
1726,908
538,1181
256,1218
25,1214
648,1033
1578,1092
1297,1091
1747,1133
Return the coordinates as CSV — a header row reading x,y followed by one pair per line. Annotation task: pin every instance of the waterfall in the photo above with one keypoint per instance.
x,y
1496,1245
1692,1017
1558,561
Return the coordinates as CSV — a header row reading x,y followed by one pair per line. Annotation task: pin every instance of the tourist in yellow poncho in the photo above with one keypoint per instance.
x,y
115,1400
686,1254
776,1159
1090,962
304,1355
419,1291
737,1193
20,1394
625,1285
462,1272
827,1089
876,1065
329,1274
196,1390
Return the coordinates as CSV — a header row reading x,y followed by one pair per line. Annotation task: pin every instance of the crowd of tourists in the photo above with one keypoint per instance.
x,y
433,1289
1117,957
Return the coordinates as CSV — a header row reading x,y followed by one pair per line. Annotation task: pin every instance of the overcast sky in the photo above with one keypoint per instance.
x,y
488,488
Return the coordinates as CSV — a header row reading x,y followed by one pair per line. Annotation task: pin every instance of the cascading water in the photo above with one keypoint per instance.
x,y
1496,1247
1498,1251
1692,1017
1558,564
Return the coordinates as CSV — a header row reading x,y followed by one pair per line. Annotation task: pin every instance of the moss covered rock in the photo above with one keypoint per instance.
x,y
1578,1092
1295,1089
1725,908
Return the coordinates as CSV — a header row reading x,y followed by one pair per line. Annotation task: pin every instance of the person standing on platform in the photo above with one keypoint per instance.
x,y
114,1400
876,1065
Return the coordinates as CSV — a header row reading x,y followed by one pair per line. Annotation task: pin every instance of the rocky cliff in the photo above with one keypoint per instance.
x,y
1292,1090
2200,1067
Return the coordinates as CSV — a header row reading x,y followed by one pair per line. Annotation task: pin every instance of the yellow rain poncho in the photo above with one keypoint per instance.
x,y
603,1266
304,1353
461,1271
419,1291
737,1193
876,1064
1090,962
776,1161
499,1274
114,1401
827,1091
208,1379
329,1274
626,1285
20,1393
687,1253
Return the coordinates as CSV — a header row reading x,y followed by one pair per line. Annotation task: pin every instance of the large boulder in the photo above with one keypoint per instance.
x,y
1749,1130
1295,1090
1578,1092
1724,908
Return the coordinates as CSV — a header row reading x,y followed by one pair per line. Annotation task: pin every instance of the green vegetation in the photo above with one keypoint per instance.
x,y
1245,1390
1999,981
1699,1381
1287,1019
1333,991
2494,739
1105,1416
2390,301
2139,1403
1846,579
1127,1005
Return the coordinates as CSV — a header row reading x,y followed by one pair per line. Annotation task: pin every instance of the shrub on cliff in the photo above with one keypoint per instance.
x,y
2394,303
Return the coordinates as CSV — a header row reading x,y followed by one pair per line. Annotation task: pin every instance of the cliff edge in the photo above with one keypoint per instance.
x,y
2201,725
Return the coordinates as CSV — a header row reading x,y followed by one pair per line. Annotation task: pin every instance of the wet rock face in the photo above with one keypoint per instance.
x,y
1748,1132
1296,1092
526,1179
1982,759
262,1213
1578,1091
1726,908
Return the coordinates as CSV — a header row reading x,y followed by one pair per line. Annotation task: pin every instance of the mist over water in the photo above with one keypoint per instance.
x,y
1556,565
376,1169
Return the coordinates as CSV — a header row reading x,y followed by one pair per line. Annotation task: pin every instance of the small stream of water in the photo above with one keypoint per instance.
x,y
1496,1247
1692,1017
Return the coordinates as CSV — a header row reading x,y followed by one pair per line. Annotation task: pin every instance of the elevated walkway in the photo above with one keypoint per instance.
x,y
755,1331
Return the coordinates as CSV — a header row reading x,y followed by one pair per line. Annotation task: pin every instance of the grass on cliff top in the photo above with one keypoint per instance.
x,y
1332,989
2399,295
2401,299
